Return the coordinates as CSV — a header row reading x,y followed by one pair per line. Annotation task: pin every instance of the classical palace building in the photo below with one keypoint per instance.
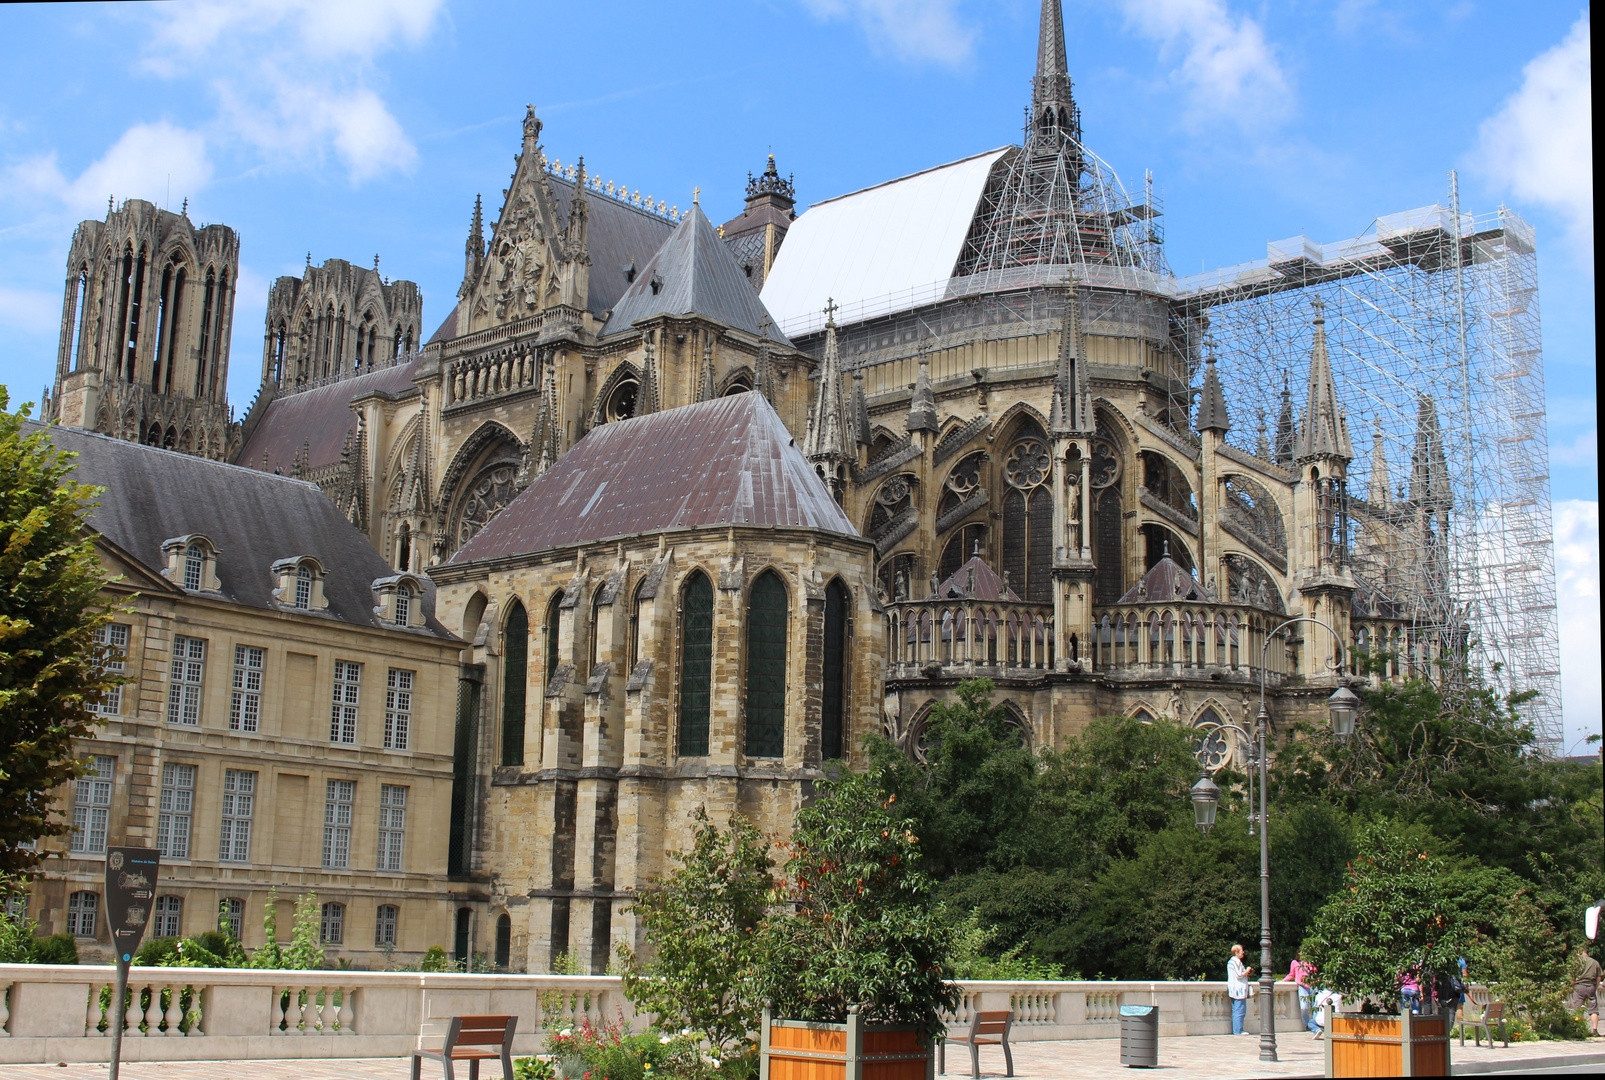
x,y
707,504
286,723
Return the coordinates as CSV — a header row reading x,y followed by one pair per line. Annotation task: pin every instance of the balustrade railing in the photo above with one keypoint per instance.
x,y
1004,634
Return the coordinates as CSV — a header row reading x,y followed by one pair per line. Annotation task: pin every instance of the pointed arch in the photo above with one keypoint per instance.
x,y
478,482
833,733
738,380
1007,427
515,681
765,703
695,617
626,372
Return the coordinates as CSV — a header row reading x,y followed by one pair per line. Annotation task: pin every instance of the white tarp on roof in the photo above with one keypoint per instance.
x,y
880,242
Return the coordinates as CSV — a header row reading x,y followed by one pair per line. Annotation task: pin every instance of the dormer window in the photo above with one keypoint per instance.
x,y
298,583
629,274
191,563
401,600
657,284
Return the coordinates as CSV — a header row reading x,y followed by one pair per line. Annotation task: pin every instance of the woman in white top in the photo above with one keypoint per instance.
x,y
1237,974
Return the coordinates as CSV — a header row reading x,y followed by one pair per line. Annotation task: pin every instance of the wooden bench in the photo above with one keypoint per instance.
x,y
986,1029
472,1039
1492,1013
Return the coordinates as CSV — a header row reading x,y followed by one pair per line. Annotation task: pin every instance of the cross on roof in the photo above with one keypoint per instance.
x,y
831,308
1319,305
696,195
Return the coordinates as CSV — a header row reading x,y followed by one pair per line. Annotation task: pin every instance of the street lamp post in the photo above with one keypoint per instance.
x,y
1343,707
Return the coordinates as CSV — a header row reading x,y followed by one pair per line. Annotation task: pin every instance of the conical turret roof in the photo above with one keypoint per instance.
x,y
1324,433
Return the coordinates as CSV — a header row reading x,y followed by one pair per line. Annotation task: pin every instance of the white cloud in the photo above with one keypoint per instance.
x,y
1223,60
1577,587
29,310
158,162
292,77
909,29
1540,145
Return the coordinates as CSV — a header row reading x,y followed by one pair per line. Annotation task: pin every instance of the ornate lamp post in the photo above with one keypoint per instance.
x,y
1344,707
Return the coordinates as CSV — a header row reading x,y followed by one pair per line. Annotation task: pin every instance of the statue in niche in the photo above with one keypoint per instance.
x,y
1072,517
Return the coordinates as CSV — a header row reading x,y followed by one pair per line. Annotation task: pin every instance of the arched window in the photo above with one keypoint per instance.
x,y
504,942
404,547
515,680
696,663
635,626
1109,579
461,939
1028,516
965,543
554,622
832,726
303,586
403,609
194,567
591,628
208,302
332,926
766,667
384,925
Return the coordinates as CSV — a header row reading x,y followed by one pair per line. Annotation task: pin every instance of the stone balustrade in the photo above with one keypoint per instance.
x,y
65,1013
970,633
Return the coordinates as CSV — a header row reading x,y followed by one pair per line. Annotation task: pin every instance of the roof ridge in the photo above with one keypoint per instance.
x,y
146,447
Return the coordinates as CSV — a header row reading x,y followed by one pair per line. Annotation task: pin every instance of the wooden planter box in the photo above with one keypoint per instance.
x,y
803,1050
1360,1045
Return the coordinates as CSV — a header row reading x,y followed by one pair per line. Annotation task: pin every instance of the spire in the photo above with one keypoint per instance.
x,y
1378,491
1284,426
1212,401
708,380
647,393
827,424
862,432
1429,469
922,407
762,376
474,249
1054,116
1324,432
1071,412
543,444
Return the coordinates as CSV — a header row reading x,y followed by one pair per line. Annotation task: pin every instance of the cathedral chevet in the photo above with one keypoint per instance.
x,y
707,503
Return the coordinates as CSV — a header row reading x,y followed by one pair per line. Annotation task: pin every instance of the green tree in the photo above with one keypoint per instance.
x,y
701,927
1396,913
973,793
51,669
860,926
1026,912
306,936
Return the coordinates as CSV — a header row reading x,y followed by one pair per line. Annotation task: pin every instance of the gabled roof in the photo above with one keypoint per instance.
x,y
318,419
693,273
887,244
1166,582
254,519
729,461
975,579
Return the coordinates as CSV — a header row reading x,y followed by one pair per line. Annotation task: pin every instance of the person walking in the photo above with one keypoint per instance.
x,y
1300,974
1585,987
1237,974
1410,988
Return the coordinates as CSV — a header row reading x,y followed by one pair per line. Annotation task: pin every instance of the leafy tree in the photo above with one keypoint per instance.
x,y
1396,913
975,956
973,793
51,668
701,926
1026,911
861,927
306,938
1173,911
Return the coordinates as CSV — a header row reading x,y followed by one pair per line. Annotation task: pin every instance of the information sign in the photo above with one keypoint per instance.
x,y
130,895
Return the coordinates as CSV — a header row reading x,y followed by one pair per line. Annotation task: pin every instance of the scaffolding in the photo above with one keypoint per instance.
x,y
1433,331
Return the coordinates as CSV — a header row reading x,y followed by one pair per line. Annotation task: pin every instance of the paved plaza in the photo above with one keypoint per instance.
x,y
1200,1056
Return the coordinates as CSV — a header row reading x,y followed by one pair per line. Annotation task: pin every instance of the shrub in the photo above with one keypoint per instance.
x,y
55,949
862,929
156,951
701,928
435,959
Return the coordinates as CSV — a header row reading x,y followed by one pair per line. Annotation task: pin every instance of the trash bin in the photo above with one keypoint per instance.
x,y
1139,1036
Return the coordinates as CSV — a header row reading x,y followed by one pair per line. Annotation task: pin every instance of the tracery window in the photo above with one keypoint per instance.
x,y
696,664
491,490
621,403
1108,526
833,707
1028,516
766,667
515,679
1211,745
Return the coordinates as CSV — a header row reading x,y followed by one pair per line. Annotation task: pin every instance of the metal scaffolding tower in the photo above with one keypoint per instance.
x,y
1432,326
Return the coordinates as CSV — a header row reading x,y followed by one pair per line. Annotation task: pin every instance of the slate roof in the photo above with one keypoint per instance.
x,y
729,461
696,275
253,518
321,419
1165,582
977,580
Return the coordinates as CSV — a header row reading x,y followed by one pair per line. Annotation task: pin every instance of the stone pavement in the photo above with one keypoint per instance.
x,y
1198,1057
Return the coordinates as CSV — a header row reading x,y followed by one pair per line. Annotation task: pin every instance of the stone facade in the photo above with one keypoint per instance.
x,y
145,326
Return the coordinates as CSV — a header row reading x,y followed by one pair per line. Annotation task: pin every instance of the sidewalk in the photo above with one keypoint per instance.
x,y
1199,1057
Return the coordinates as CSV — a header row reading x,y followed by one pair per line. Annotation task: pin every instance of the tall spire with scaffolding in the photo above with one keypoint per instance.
x,y
1054,116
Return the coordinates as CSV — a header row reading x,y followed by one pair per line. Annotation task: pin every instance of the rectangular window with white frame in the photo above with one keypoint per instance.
x,y
392,825
169,917
338,797
239,799
245,709
91,810
347,688
176,808
398,709
184,689
384,925
113,639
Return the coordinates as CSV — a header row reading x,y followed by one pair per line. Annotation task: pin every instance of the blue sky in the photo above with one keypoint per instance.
x,y
350,129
